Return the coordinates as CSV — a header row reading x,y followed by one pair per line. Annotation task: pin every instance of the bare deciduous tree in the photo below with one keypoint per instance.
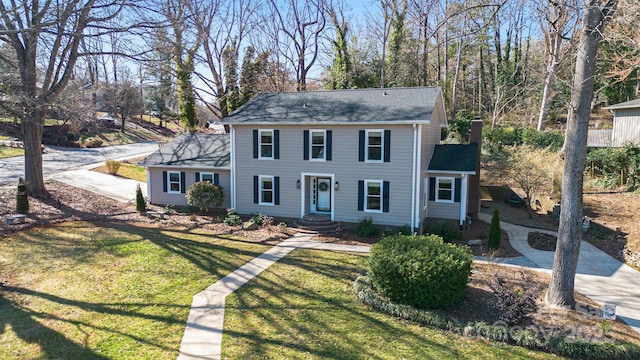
x,y
47,33
595,16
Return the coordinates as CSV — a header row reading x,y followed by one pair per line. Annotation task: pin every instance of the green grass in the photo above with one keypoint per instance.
x,y
304,306
106,291
6,151
129,171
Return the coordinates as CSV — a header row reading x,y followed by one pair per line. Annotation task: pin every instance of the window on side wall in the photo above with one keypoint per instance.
x,y
445,189
173,179
373,195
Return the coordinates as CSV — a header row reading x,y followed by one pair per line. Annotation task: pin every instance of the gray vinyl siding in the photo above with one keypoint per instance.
x,y
443,210
159,197
626,127
345,167
430,137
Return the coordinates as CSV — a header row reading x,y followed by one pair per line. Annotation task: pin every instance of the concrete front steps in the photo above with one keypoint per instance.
x,y
316,224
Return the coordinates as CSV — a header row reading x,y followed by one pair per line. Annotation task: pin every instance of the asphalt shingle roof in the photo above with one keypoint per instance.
x,y
407,105
454,157
193,150
625,105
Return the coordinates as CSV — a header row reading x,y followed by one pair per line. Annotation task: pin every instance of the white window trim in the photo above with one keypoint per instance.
x,y
453,189
169,191
261,189
260,157
213,176
426,193
366,146
366,196
324,145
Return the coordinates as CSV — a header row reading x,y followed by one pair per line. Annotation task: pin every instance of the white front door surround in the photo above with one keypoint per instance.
x,y
320,195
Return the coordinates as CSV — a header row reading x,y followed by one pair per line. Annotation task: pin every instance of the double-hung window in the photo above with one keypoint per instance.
x,y
174,182
266,190
374,145
265,144
445,189
318,144
373,195
207,176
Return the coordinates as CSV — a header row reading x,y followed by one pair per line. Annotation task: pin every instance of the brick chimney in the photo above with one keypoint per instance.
x,y
474,180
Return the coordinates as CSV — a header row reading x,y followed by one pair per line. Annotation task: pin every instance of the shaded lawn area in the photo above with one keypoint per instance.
x,y
304,306
106,291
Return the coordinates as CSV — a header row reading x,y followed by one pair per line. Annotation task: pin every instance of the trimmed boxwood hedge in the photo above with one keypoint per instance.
x,y
420,271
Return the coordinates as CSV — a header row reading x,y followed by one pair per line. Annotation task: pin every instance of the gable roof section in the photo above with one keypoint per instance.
x,y
193,150
454,158
625,105
390,105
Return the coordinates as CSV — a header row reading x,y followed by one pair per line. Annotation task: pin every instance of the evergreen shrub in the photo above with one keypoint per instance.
x,y
421,271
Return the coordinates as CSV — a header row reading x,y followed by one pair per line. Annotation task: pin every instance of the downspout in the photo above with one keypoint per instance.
x,y
149,186
463,199
233,166
418,174
413,179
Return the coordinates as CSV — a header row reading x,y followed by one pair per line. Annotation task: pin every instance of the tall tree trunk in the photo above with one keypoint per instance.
x,y
547,93
561,286
33,126
454,85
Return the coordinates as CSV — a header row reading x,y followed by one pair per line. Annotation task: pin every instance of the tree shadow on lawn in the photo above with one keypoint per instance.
x,y
278,300
216,259
26,323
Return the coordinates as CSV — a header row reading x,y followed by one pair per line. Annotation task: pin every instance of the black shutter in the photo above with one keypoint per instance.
x,y
305,143
197,177
362,141
329,145
387,145
385,196
256,189
216,179
458,190
183,182
276,190
276,144
164,181
432,189
255,144
360,195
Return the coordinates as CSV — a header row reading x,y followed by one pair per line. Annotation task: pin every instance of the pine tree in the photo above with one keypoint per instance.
x,y
22,197
141,203
495,233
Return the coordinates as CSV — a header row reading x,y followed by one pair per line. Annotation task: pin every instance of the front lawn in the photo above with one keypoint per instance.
x,y
6,151
106,291
304,306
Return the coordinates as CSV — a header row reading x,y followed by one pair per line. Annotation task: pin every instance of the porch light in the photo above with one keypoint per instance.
x,y
336,186
298,184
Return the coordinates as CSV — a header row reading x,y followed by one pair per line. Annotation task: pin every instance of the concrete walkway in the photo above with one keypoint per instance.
x,y
202,337
599,276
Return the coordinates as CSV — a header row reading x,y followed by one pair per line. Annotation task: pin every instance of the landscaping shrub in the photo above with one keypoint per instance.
x,y
447,232
204,195
514,303
366,228
420,271
112,166
231,218
495,232
404,230
141,203
92,143
22,197
257,219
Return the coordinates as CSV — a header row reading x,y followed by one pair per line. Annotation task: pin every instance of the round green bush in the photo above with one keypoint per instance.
x,y
421,271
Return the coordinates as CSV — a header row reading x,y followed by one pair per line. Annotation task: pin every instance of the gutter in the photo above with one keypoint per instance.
x,y
413,179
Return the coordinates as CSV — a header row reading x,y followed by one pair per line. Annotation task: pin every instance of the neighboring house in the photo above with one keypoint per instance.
x,y
188,159
626,127
350,154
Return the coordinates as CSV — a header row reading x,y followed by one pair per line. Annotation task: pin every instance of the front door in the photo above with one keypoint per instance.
x,y
320,194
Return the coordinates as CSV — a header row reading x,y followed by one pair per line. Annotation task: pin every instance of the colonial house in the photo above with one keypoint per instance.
x,y
344,154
